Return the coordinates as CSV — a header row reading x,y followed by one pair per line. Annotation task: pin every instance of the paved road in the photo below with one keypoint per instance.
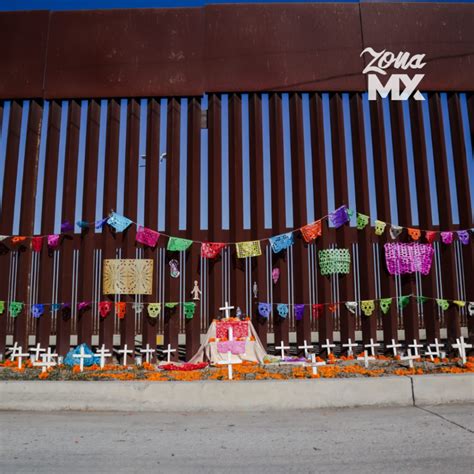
x,y
363,440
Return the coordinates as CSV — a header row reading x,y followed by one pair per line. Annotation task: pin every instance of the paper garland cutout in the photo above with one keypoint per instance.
x,y
189,309
105,307
211,249
402,258
443,304
367,307
332,261
147,236
395,231
281,242
403,301
362,221
470,308
15,308
37,310
317,310
118,222
312,231
53,241
415,234
264,310
2,307
421,299
248,249
447,237
37,244
339,217
430,236
66,227
299,311
171,305
385,304
282,310
154,309
463,236
176,244
351,306
120,309
379,227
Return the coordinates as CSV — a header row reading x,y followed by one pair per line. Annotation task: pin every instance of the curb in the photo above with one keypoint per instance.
x,y
237,395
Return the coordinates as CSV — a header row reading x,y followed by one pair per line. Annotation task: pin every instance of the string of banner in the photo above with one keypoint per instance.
x,y
310,232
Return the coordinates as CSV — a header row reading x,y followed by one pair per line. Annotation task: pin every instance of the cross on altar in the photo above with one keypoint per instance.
x,y
394,346
125,351
282,347
227,309
415,346
168,353
328,346
229,364
102,353
410,358
148,351
37,351
47,360
305,347
437,347
461,346
349,346
81,356
315,364
430,353
366,359
372,346
19,355
14,350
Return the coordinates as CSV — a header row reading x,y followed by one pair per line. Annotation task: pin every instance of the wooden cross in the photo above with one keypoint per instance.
x,y
14,350
328,346
366,359
148,353
47,360
437,347
315,364
18,354
125,351
350,345
81,356
227,309
168,353
410,358
461,346
430,353
372,347
102,353
282,347
229,364
306,347
394,346
415,346
37,351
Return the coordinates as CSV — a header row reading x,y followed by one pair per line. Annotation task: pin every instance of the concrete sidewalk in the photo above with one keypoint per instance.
x,y
236,395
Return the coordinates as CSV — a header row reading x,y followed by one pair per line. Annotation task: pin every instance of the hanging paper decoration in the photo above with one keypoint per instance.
x,y
351,306
248,249
37,310
37,243
137,307
430,236
2,307
264,310
171,305
447,237
415,234
83,305
176,244
395,231
299,311
317,310
53,241
379,227
339,217
15,308
105,307
120,309
281,242
18,239
470,308
275,275
443,304
147,236
118,222
459,304
66,306
385,304
367,307
189,309
403,301
311,231
3,237
66,227
174,268
332,261
101,222
333,307
83,224
463,236
154,309
211,249
404,258
55,307
362,221
282,310
421,299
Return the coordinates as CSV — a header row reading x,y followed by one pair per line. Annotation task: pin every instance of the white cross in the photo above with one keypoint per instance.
x,y
315,364
430,353
305,347
19,355
14,349
282,348
410,358
366,359
227,309
37,351
461,346
372,346
102,353
394,346
350,345
415,347
148,351
81,356
437,347
168,353
328,346
229,363
125,351
47,360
